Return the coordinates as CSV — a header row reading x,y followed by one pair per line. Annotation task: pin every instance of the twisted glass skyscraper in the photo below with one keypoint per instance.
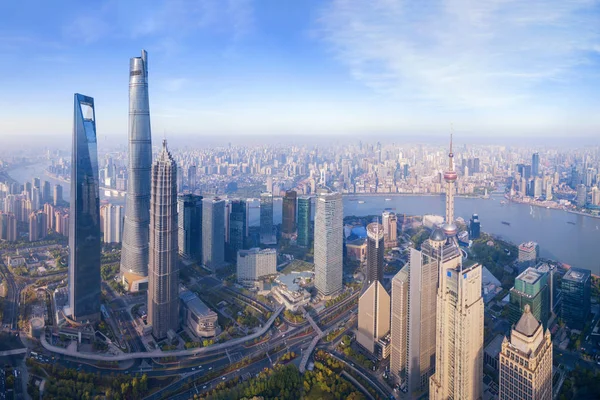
x,y
84,229
134,254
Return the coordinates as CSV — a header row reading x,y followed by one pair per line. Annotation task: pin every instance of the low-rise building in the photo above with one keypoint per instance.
x,y
356,250
197,316
289,290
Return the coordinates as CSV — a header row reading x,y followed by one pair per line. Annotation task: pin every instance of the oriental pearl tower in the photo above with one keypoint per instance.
x,y
450,176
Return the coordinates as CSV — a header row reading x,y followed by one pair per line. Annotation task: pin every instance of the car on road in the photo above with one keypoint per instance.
x,y
193,369
223,378
209,368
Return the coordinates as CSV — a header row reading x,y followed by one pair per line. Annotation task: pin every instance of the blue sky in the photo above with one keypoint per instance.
x,y
221,67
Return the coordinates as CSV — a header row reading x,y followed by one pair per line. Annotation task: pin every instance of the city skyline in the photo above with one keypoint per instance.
x,y
355,68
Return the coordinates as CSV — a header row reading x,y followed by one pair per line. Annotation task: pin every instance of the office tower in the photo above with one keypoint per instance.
x,y
8,227
190,226
288,226
329,236
548,195
37,183
134,253
474,227
375,249
84,229
529,252
37,226
576,292
266,218
389,220
27,190
459,315
191,175
304,214
46,196
537,187
113,223
237,228
163,270
526,361
535,164
373,316
413,339
531,288
58,195
581,195
254,264
213,233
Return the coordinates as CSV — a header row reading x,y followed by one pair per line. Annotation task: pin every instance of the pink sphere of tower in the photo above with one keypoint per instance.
x,y
450,176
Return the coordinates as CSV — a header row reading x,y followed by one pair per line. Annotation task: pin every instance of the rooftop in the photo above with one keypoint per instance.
x,y
194,304
530,276
528,324
528,246
577,274
495,346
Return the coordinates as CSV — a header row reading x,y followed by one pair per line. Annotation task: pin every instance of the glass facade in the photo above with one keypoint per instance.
x,y
531,287
576,291
190,226
288,226
266,218
304,211
237,228
84,229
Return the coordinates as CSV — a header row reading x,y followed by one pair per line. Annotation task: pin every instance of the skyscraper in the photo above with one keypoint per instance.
x,y
474,227
163,277
213,233
113,223
526,361
84,229
134,254
304,211
459,315
576,292
531,288
389,220
375,249
58,195
237,228
46,196
266,218
190,226
8,226
288,226
329,237
373,316
413,339
581,195
535,164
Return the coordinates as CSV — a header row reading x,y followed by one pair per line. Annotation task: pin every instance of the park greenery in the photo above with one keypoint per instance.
x,y
338,299
495,254
581,383
294,317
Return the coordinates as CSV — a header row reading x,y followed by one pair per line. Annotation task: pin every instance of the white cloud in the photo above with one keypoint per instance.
x,y
460,54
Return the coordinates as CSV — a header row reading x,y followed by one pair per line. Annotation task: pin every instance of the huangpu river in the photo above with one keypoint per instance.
x,y
566,237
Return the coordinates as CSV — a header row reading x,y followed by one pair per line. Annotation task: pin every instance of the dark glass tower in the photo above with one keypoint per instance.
x,y
266,218
163,277
576,294
237,228
474,227
84,228
190,226
535,164
213,233
288,226
375,249
134,255
304,211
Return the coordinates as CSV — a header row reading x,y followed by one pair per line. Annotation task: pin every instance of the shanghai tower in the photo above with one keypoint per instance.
x,y
134,253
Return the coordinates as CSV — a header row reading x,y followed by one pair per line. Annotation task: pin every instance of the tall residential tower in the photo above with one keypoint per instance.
x,y
134,254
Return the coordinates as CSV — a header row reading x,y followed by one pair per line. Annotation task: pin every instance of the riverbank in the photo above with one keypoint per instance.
x,y
549,207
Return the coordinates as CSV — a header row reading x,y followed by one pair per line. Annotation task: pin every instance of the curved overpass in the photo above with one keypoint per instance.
x,y
159,353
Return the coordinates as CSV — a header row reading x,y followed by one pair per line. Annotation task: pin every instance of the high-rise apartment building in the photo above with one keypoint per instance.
x,y
134,253
213,233
304,215
163,277
189,209
329,237
576,292
84,231
595,196
266,218
375,250
531,288
8,226
254,264
237,228
459,315
373,316
46,196
112,223
389,220
37,226
528,252
581,195
526,361
288,225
